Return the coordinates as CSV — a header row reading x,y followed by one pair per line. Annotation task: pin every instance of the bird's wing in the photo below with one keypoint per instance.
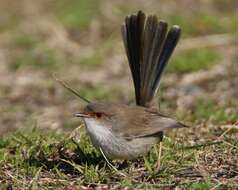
x,y
142,122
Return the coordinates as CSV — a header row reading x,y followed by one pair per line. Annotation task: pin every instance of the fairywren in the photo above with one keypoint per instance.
x,y
128,131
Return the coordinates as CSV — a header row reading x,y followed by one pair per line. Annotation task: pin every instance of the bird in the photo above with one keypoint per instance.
x,y
124,131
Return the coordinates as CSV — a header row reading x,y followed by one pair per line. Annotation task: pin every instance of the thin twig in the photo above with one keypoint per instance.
x,y
65,85
159,156
229,144
226,131
15,178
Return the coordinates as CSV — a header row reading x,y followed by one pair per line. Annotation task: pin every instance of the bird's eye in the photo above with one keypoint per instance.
x,y
98,115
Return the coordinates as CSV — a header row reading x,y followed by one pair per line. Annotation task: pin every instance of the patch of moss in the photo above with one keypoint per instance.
x,y
92,60
193,60
100,93
200,24
209,110
45,59
25,41
76,14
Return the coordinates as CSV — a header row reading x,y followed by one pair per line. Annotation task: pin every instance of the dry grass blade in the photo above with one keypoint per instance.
x,y
65,85
229,128
110,165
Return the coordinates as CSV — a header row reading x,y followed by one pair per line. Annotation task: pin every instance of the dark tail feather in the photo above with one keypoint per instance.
x,y
152,61
169,46
148,48
132,33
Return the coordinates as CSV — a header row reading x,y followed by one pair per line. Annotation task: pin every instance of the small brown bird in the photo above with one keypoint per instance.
x,y
128,131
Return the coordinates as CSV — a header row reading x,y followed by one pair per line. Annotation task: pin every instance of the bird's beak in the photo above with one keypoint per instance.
x,y
81,115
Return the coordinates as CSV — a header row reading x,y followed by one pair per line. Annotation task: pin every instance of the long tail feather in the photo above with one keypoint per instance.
x,y
148,46
132,33
169,46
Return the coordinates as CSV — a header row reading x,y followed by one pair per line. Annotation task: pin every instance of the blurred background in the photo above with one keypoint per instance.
x,y
80,42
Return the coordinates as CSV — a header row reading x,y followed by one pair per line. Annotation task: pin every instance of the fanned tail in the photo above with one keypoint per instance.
x,y
148,46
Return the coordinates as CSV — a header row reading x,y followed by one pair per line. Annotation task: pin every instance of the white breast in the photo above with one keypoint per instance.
x,y
115,147
103,138
98,133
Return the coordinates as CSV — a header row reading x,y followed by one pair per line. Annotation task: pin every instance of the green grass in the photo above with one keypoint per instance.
x,y
201,24
28,54
25,41
28,51
206,110
99,54
90,61
32,158
200,185
77,14
193,60
100,93
43,59
209,110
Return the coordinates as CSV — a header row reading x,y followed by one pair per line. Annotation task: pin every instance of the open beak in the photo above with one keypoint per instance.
x,y
81,115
